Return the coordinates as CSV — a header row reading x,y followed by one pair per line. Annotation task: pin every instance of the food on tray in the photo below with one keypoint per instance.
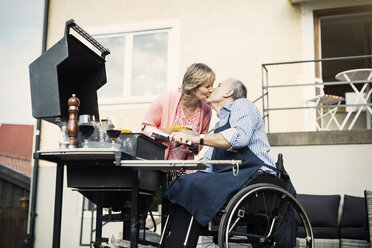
x,y
126,131
178,128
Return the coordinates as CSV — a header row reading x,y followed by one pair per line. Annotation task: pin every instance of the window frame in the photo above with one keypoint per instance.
x,y
318,14
129,31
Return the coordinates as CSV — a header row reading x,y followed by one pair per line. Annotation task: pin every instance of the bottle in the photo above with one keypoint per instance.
x,y
63,139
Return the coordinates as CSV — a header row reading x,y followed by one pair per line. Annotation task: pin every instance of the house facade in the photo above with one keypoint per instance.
x,y
153,42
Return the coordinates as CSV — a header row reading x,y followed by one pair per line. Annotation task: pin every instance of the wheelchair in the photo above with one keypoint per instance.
x,y
263,213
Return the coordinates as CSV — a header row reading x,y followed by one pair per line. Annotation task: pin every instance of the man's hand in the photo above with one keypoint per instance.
x,y
216,140
183,138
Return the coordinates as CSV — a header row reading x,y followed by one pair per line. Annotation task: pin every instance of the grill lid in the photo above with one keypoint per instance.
x,y
68,67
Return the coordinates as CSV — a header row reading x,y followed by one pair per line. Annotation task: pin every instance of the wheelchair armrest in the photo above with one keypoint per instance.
x,y
279,162
280,166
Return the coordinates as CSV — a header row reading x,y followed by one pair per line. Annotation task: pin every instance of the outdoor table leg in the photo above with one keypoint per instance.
x,y
358,76
134,213
126,229
164,213
58,206
99,224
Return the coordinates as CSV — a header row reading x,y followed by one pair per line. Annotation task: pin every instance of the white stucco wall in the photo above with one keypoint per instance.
x,y
234,38
326,169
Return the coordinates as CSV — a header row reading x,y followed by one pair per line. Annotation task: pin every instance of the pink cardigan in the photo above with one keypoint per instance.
x,y
162,112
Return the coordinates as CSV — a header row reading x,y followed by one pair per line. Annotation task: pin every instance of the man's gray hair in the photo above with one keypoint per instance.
x,y
240,91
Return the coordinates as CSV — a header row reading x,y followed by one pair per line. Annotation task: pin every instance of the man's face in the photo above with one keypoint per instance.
x,y
218,94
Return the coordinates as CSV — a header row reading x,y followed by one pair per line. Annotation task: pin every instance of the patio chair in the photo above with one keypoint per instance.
x,y
326,107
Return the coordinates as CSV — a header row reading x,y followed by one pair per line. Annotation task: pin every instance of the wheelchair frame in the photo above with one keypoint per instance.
x,y
263,234
259,215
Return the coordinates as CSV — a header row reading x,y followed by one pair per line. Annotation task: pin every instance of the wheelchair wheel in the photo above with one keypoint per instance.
x,y
264,215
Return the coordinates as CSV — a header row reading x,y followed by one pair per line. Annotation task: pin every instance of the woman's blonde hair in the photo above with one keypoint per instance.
x,y
195,76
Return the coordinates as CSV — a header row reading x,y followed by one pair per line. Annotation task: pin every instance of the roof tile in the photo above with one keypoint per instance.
x,y
16,143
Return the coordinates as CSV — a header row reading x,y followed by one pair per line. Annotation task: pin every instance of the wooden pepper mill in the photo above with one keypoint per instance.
x,y
72,125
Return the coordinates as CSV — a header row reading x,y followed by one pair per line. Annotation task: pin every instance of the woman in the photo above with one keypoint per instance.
x,y
185,107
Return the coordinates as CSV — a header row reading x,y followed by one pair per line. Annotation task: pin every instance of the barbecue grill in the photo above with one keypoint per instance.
x,y
70,67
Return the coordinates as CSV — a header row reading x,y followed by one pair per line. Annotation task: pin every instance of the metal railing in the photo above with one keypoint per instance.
x,y
266,87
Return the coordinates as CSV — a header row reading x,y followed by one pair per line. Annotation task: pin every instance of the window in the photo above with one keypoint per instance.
x,y
149,68
345,35
88,205
340,33
139,66
114,66
343,32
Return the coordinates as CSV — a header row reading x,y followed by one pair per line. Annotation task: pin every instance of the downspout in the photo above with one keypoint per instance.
x,y
29,241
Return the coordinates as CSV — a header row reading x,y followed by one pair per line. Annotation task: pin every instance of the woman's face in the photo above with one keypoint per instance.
x,y
203,92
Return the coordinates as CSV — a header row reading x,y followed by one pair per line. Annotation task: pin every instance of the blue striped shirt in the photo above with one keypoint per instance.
x,y
247,129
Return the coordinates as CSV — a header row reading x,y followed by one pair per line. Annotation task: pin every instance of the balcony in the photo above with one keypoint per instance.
x,y
296,99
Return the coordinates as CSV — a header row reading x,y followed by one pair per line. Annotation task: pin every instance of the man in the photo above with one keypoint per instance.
x,y
239,135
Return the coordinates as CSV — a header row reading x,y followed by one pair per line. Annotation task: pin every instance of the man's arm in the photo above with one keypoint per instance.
x,y
243,121
216,140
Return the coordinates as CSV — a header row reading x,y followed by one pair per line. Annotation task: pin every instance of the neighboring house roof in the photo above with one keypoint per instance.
x,y
15,177
16,147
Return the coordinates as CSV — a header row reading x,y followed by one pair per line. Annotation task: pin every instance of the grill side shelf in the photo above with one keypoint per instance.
x,y
69,155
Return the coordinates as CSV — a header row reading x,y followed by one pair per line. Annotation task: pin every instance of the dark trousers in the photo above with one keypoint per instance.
x,y
179,220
